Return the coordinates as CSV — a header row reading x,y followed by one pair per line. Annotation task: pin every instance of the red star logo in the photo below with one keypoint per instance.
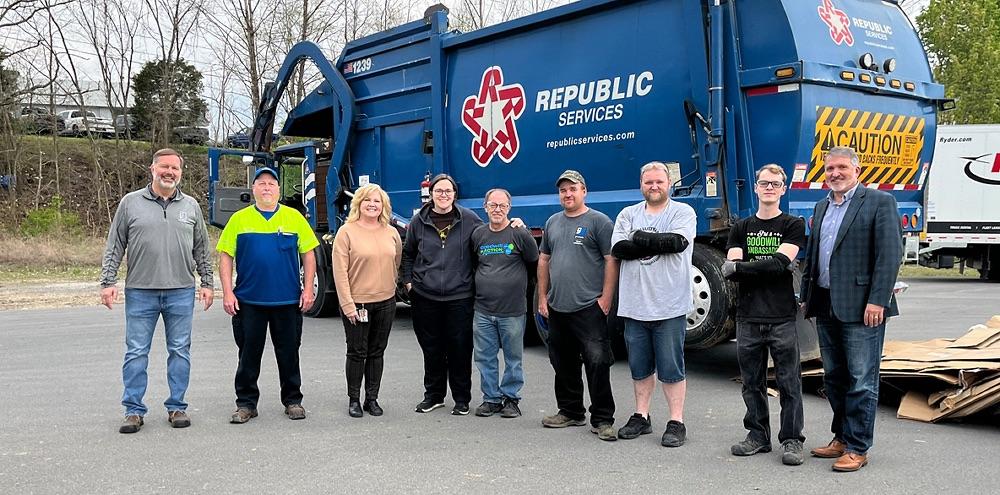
x,y
490,117
840,24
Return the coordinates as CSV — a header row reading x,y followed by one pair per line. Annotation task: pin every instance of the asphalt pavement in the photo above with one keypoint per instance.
x,y
61,386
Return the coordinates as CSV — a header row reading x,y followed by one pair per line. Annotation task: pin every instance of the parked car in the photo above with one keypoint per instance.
x,y
80,122
241,138
38,120
126,126
191,134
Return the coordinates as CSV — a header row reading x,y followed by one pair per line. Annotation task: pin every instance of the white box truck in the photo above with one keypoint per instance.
x,y
962,201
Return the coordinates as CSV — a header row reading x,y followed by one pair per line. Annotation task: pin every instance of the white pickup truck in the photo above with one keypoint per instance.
x,y
962,201
79,122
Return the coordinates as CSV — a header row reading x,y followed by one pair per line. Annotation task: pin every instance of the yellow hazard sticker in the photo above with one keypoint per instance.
x,y
888,145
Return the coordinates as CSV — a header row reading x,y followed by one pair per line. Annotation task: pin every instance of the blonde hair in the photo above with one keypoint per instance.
x,y
774,168
360,194
654,166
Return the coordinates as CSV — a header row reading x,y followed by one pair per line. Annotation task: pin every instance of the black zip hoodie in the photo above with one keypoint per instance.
x,y
440,270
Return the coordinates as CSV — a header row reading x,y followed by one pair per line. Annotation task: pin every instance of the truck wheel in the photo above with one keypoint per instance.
x,y
326,303
709,323
539,324
536,330
616,331
532,320
994,272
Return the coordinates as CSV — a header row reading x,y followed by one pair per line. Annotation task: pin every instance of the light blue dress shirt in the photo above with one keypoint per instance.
x,y
832,219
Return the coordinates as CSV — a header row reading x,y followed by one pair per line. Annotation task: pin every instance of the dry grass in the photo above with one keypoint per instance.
x,y
52,259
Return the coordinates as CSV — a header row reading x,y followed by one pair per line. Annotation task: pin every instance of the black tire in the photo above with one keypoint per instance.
x,y
616,331
532,320
326,303
538,324
536,329
993,274
711,321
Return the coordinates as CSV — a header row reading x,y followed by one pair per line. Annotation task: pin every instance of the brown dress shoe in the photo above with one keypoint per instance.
x,y
835,449
850,462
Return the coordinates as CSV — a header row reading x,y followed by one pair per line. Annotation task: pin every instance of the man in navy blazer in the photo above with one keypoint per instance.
x,y
853,255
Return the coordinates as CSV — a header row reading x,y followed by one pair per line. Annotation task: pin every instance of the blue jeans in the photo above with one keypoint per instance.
x,y
143,308
656,346
851,354
491,334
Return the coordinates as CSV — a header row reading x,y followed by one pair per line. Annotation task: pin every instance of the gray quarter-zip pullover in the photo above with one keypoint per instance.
x,y
166,242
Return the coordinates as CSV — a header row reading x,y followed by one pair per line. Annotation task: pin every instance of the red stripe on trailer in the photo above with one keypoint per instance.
x,y
770,90
883,187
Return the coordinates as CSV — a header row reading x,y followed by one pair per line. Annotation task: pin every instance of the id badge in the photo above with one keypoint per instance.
x,y
363,315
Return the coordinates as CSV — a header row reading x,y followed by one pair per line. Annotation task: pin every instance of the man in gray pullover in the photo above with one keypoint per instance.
x,y
163,231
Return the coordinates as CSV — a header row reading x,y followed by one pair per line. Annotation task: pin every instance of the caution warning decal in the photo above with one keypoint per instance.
x,y
888,145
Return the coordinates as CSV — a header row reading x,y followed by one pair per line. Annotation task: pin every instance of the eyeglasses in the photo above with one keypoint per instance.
x,y
444,192
773,183
497,206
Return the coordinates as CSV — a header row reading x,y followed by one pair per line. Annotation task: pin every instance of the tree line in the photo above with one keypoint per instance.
x,y
176,63
137,56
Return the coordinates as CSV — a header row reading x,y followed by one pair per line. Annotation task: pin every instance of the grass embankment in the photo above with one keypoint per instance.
x,y
46,259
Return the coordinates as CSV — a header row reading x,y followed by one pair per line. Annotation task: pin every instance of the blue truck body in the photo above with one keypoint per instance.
x,y
715,88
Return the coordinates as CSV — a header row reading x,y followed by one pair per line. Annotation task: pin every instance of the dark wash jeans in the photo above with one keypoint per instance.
x,y
366,343
444,332
852,354
753,342
576,338
250,331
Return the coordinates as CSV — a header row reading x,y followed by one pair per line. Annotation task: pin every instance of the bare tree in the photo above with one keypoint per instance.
x,y
174,22
113,38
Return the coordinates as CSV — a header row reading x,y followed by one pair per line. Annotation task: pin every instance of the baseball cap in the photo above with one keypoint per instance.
x,y
572,176
265,170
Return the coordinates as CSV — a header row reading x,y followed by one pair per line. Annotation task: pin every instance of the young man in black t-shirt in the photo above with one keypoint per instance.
x,y
761,253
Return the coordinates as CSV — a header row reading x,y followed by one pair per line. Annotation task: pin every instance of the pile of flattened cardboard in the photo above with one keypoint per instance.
x,y
966,371
942,379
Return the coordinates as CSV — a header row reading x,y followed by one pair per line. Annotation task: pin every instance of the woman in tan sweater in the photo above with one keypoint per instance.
x,y
366,254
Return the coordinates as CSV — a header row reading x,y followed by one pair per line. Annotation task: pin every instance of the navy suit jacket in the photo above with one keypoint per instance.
x,y
867,253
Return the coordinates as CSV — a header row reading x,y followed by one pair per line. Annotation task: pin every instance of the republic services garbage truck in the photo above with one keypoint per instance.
x,y
713,88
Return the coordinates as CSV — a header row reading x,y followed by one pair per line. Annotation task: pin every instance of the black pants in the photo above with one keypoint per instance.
x,y
444,332
250,330
576,338
753,341
366,343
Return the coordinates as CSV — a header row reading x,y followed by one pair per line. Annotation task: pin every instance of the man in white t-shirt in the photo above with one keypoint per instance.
x,y
654,240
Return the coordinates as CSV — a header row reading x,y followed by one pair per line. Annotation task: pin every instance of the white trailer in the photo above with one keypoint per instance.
x,y
962,201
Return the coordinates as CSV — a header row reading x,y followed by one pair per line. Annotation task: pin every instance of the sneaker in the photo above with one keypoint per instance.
x,y
487,409
242,415
750,446
637,425
373,408
561,421
295,411
793,453
510,409
674,435
178,419
131,424
605,432
427,405
460,409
